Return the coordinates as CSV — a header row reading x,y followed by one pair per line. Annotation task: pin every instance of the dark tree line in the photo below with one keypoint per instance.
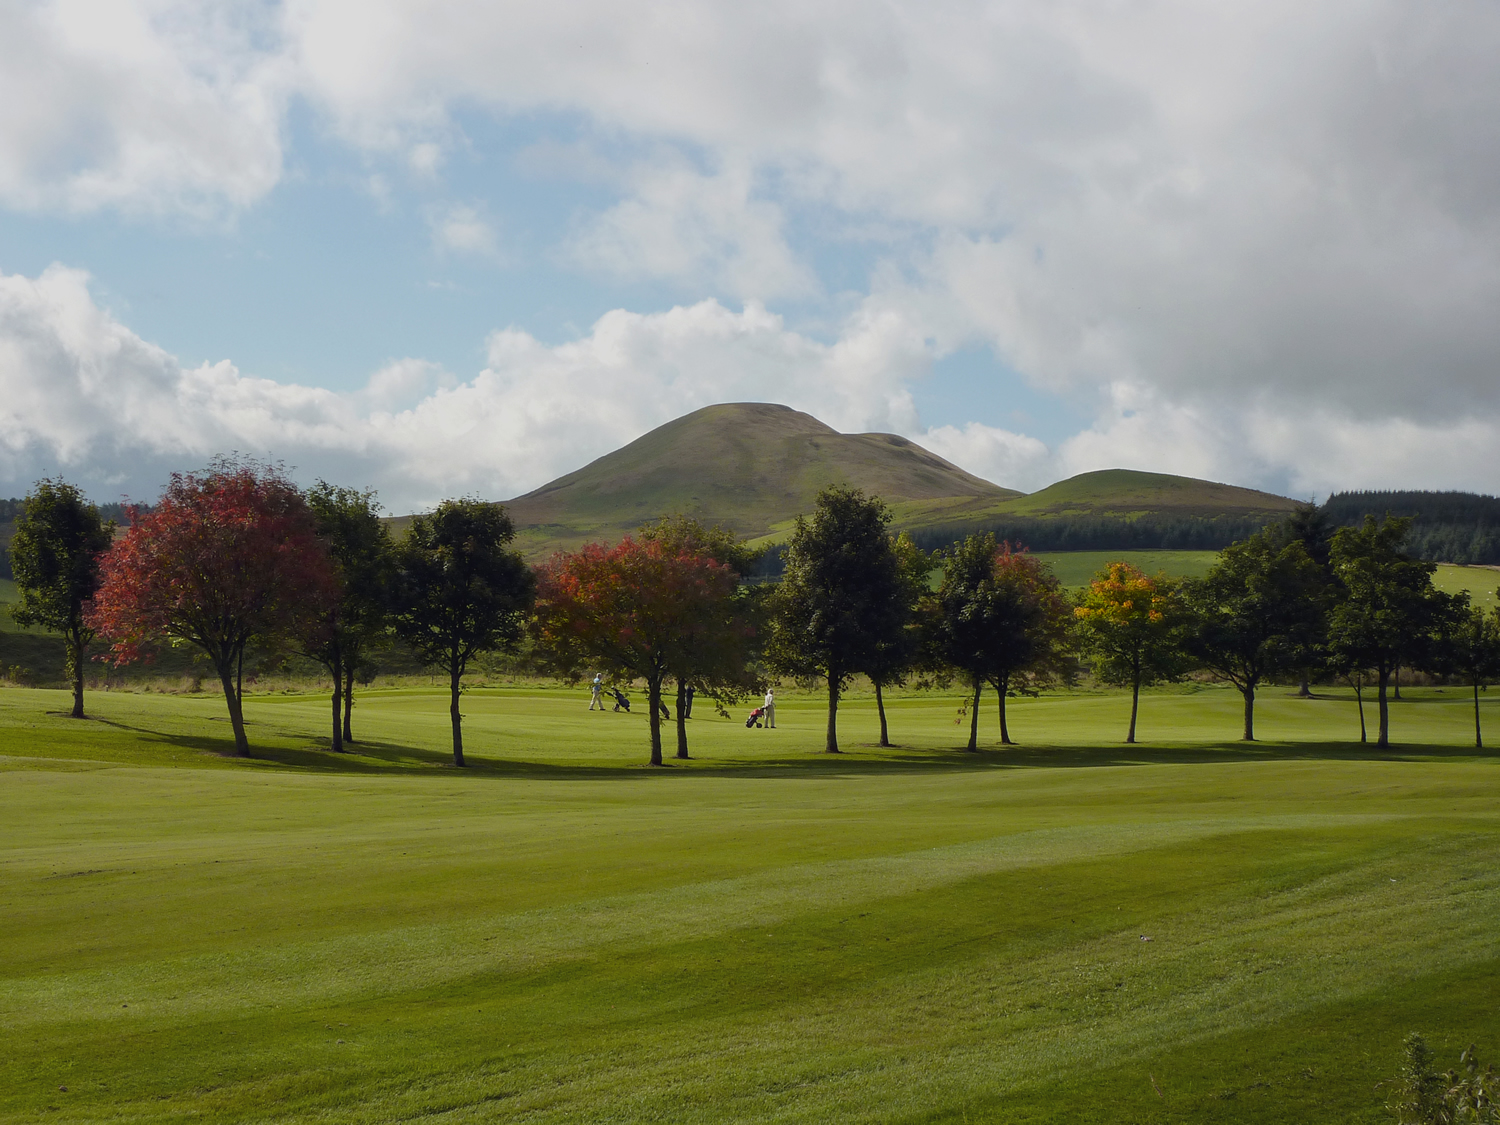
x,y
1454,527
1104,533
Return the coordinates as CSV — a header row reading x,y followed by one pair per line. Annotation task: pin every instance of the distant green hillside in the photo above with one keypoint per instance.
x,y
755,467
750,466
1127,493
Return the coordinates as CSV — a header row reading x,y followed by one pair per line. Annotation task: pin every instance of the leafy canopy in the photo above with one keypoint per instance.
x,y
1128,623
646,608
841,597
1000,616
54,556
458,589
228,555
1258,612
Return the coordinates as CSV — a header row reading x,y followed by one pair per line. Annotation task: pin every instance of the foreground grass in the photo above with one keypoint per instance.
x,y
763,934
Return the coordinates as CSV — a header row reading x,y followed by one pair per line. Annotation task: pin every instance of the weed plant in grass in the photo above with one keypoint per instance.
x,y
761,934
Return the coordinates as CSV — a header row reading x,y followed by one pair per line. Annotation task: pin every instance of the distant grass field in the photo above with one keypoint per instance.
x,y
1076,569
765,934
1480,581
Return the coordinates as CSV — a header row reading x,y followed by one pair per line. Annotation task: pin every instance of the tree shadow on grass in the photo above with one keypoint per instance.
x,y
381,758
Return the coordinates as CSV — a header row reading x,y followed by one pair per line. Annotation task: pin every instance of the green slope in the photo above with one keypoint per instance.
x,y
749,466
1125,492
754,467
1108,494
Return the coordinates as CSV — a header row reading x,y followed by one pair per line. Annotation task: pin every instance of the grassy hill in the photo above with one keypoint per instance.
x,y
755,466
750,466
1127,493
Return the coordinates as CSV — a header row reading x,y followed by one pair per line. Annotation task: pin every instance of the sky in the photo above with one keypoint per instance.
x,y
461,248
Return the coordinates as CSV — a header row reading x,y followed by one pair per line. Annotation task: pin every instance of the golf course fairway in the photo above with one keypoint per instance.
x,y
1068,930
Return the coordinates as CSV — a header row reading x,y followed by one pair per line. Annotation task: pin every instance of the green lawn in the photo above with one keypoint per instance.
x,y
1480,581
1077,568
763,934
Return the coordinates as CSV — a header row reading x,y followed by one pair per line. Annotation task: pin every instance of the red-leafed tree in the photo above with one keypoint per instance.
x,y
639,610
230,555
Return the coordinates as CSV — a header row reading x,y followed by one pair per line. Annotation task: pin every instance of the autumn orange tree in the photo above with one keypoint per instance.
x,y
229,556
717,662
639,609
1129,625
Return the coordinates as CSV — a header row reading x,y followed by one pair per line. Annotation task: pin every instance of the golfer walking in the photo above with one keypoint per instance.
x,y
594,689
770,706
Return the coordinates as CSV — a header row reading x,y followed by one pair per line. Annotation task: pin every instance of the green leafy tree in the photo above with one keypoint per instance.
x,y
998,617
1311,526
1470,648
1257,613
59,538
841,595
717,661
1390,614
459,591
1130,627
896,655
357,623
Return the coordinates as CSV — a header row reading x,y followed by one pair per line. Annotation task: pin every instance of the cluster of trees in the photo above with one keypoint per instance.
x,y
238,556
1296,599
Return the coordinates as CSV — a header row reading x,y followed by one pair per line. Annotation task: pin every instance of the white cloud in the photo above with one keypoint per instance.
x,y
86,396
696,229
425,158
1215,199
462,229
1010,459
159,106
1236,216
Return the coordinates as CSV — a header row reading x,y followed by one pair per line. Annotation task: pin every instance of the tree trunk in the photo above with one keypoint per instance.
x,y
455,676
1135,698
337,669
831,744
1001,688
1396,683
1359,697
653,706
232,699
349,702
681,719
974,716
75,667
1478,736
885,739
1304,689
1384,738
1248,691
